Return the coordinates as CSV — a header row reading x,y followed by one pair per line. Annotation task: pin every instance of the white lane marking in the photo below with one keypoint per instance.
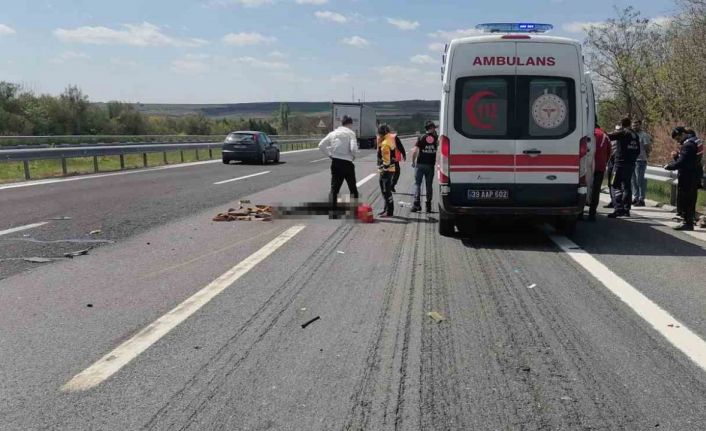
x,y
319,160
130,349
21,228
674,331
241,178
114,174
365,180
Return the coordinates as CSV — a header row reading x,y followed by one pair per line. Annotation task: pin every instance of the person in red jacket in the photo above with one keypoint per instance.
x,y
602,155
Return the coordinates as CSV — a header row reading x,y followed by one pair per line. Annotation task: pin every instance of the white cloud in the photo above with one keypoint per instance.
x,y
403,24
5,30
189,66
144,34
290,77
243,39
260,64
437,46
455,34
246,3
356,41
314,2
662,21
343,77
579,26
277,54
124,64
422,59
70,55
331,16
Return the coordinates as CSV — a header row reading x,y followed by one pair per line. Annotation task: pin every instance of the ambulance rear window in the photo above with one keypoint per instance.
x,y
482,106
551,106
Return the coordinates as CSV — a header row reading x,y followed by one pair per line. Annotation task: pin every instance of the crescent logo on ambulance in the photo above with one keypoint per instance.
x,y
516,125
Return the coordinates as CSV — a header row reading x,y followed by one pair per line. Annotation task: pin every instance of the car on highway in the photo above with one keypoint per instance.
x,y
517,117
249,146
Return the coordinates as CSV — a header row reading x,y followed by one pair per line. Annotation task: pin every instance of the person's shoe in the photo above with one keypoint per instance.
x,y
416,209
428,208
394,190
642,202
626,213
591,217
610,205
684,227
382,213
635,201
614,214
638,204
677,219
702,222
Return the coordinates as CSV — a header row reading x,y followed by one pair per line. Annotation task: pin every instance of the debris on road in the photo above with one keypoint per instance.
x,y
246,213
341,252
60,218
89,305
37,259
405,204
304,325
532,286
436,316
671,325
73,254
95,232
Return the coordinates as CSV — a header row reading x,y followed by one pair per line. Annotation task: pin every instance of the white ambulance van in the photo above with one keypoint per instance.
x,y
516,124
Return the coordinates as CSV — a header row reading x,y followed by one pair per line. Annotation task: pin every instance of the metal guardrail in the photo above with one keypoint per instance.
x,y
25,155
656,173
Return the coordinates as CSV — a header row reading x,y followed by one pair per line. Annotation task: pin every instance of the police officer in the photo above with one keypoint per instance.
x,y
423,160
687,163
627,150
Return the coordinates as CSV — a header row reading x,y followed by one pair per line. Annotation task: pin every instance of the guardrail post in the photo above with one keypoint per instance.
x,y
197,154
144,160
25,163
181,153
122,162
64,169
210,153
673,194
165,158
95,163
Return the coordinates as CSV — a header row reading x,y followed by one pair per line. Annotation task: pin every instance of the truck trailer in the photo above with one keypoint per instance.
x,y
364,121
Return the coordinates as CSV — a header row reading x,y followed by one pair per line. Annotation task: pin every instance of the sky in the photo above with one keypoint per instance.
x,y
232,51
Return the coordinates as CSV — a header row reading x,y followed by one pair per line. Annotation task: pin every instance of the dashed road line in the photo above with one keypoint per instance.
x,y
674,331
240,178
130,349
21,228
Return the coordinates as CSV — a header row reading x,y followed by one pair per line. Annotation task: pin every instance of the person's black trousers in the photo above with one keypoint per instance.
x,y
687,194
596,191
342,170
622,186
386,179
396,176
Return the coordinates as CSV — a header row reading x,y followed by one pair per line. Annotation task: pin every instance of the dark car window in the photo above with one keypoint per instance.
x,y
240,138
482,106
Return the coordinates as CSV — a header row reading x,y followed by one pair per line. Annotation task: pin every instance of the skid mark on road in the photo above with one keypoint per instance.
x,y
130,349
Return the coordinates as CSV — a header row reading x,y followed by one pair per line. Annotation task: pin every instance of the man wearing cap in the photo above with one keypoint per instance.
x,y
341,146
423,160
687,163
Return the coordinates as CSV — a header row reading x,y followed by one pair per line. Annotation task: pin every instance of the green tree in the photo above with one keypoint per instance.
x,y
75,104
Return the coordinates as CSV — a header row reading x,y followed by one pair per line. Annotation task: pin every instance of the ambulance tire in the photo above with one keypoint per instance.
x,y
566,224
467,226
446,223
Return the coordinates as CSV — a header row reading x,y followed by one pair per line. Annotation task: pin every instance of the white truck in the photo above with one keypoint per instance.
x,y
364,121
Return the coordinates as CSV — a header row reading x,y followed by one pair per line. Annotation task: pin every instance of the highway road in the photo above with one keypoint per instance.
x,y
188,324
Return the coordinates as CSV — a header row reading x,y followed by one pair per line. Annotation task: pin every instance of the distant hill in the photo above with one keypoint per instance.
x,y
394,109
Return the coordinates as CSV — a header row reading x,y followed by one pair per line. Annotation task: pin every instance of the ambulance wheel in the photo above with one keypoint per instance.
x,y
467,226
566,224
446,223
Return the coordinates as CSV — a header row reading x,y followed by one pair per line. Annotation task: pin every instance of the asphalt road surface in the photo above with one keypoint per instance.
x,y
188,324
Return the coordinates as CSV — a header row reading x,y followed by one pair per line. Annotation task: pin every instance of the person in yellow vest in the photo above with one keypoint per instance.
x,y
386,167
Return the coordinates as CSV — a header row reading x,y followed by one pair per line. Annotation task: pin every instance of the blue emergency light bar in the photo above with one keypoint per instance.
x,y
514,27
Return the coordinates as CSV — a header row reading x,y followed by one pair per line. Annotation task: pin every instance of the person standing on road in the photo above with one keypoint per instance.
x,y
401,154
626,151
601,157
424,160
341,146
386,167
687,163
639,182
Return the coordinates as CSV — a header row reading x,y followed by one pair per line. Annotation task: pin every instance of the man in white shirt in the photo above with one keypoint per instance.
x,y
341,146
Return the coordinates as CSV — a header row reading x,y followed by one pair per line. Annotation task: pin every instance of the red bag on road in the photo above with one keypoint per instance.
x,y
364,213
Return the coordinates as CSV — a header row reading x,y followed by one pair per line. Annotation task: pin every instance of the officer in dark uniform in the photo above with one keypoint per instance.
x,y
424,160
687,163
626,152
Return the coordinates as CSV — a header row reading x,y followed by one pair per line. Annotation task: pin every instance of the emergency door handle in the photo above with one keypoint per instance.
x,y
532,152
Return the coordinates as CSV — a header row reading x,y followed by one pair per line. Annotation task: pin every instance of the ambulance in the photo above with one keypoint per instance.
x,y
516,128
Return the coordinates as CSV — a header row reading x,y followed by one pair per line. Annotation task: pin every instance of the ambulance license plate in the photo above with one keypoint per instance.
x,y
488,195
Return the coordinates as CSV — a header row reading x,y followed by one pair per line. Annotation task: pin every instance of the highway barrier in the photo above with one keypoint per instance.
x,y
656,173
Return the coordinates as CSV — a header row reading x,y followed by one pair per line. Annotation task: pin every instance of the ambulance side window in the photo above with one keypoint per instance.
x,y
482,107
